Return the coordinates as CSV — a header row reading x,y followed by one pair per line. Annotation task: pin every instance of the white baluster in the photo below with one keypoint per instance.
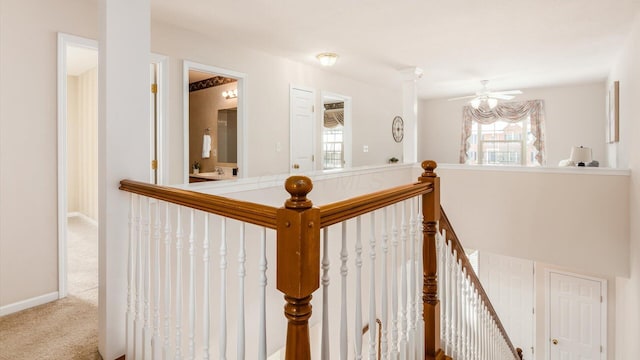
x,y
441,274
358,320
324,350
412,280
166,350
146,331
242,257
383,294
372,290
419,283
206,315
222,337
130,335
262,268
344,257
192,286
458,306
155,341
138,344
179,238
403,282
394,284
463,313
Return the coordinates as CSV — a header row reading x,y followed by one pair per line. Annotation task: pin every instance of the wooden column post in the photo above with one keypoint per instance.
x,y
298,263
431,215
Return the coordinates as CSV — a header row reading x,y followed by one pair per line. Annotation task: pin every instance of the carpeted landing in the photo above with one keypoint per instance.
x,y
63,329
67,328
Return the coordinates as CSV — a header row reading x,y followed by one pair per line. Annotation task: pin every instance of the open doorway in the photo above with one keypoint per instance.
x,y
214,105
78,167
336,127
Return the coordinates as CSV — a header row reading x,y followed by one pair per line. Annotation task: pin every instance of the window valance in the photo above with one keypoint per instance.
x,y
333,118
509,112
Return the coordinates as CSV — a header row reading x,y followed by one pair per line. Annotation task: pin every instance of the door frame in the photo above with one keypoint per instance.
x,y
348,128
603,309
162,100
64,40
243,163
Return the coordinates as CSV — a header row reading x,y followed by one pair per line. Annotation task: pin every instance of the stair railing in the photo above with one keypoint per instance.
x,y
471,328
176,237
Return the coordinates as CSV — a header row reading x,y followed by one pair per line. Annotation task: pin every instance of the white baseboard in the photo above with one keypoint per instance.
x,y
83,216
28,303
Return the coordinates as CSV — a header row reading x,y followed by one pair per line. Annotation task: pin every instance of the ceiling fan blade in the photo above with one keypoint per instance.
x,y
507,92
501,96
462,97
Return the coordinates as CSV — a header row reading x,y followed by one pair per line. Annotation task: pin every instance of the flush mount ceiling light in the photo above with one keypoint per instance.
x,y
327,58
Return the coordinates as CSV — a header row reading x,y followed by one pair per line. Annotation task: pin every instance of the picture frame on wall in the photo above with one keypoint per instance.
x,y
613,113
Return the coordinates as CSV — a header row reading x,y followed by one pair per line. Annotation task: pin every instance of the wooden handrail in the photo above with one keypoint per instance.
x,y
245,211
340,211
456,245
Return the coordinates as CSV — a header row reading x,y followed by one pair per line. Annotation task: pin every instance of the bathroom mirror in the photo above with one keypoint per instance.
x,y
227,135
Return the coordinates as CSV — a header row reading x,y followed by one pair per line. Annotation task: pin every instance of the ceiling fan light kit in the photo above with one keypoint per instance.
x,y
488,97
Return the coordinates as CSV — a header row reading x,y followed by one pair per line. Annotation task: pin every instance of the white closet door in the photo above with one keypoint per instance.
x,y
574,317
302,126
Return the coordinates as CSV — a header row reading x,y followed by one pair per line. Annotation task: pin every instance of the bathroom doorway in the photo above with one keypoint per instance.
x,y
213,123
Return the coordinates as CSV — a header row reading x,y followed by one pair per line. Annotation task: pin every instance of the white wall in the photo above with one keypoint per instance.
x,y
558,216
269,78
82,144
28,165
575,115
627,152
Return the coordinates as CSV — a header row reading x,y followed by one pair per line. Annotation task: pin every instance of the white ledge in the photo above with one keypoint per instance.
x,y
278,180
537,169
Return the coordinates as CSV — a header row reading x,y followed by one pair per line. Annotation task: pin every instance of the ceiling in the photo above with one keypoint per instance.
x,y
80,59
515,44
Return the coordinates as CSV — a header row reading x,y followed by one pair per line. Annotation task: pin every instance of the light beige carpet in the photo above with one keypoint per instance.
x,y
67,328
63,329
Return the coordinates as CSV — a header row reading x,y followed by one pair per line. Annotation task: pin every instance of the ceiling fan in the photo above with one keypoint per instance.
x,y
489,97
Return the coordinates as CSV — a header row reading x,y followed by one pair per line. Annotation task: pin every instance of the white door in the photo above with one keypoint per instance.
x,y
302,125
509,284
574,317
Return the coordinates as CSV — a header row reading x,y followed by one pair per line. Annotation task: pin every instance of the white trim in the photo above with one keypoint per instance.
x,y
162,98
603,308
243,105
277,181
540,169
64,40
347,136
83,217
28,303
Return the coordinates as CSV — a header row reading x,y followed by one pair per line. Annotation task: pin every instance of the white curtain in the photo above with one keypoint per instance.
x,y
510,112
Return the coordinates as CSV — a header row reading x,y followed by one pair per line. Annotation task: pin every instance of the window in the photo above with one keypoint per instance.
x,y
509,134
502,143
332,147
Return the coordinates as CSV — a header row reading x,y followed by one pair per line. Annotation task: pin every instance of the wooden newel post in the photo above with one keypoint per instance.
x,y
298,263
431,215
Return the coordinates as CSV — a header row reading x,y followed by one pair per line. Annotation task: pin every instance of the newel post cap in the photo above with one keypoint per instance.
x,y
298,187
429,166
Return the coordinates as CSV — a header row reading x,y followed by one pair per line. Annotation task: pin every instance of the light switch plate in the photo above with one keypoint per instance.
x,y
365,148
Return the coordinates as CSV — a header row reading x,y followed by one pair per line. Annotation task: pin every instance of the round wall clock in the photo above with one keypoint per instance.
x,y
397,128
